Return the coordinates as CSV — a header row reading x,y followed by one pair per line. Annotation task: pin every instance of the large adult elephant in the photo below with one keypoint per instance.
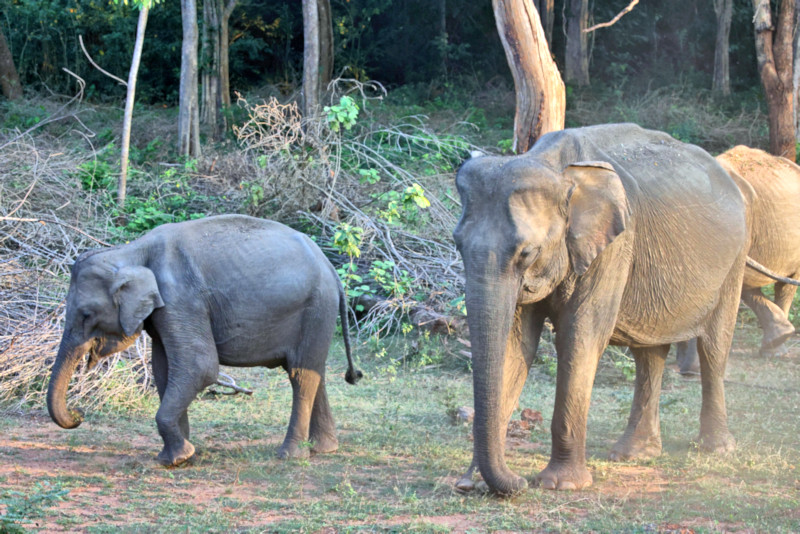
x,y
775,244
231,290
619,235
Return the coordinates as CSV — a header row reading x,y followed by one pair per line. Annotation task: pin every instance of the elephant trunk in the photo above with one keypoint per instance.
x,y
491,303
69,355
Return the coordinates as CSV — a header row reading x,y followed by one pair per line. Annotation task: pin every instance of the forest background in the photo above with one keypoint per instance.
x,y
418,85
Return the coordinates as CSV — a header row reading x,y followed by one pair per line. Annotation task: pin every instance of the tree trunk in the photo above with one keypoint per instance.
x,y
311,63
122,183
442,15
210,83
541,98
9,79
547,15
224,53
722,77
325,44
188,114
796,74
774,53
577,54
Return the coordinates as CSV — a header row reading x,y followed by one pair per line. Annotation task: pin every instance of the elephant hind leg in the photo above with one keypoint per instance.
x,y
305,384
688,360
771,315
642,437
322,431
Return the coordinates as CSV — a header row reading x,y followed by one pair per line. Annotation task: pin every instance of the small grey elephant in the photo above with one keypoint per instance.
x,y
231,290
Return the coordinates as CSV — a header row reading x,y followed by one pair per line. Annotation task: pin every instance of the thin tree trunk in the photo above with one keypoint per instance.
x,y
442,12
188,114
540,94
325,44
775,54
210,100
547,15
9,78
311,55
577,54
224,53
796,73
722,77
122,183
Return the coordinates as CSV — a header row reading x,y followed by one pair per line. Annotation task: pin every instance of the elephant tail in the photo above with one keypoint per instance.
x,y
753,264
352,375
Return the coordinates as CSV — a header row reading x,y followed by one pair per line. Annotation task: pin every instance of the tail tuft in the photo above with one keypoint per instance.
x,y
353,375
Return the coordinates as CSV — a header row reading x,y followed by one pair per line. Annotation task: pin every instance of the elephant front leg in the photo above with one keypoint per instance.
x,y
688,361
191,366
161,376
305,384
771,316
642,437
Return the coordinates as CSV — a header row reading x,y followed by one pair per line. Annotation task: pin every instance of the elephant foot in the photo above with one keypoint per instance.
x,y
558,476
293,450
635,449
717,443
465,484
324,444
172,458
777,335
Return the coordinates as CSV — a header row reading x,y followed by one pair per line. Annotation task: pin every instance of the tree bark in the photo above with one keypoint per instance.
x,y
547,15
210,82
9,78
122,182
325,44
775,61
311,62
224,52
577,54
722,77
441,8
540,94
188,114
796,73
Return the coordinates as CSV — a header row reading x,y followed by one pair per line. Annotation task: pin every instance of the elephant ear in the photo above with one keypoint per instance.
x,y
136,294
597,211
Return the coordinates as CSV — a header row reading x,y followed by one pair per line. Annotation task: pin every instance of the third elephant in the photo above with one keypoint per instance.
x,y
775,243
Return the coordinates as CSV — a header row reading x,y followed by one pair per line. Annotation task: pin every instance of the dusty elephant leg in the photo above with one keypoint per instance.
x,y
305,384
714,346
772,318
688,360
192,365
322,429
521,348
160,376
642,437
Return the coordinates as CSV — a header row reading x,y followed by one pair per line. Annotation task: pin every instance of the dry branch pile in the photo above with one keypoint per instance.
x,y
45,223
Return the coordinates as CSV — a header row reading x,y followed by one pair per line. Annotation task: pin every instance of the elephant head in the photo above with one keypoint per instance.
x,y
107,304
525,228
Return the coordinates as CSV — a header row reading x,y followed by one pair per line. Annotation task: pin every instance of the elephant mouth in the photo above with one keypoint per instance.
x,y
94,357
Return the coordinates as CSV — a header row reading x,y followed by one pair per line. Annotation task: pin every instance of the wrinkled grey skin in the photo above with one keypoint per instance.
x,y
231,290
775,244
618,235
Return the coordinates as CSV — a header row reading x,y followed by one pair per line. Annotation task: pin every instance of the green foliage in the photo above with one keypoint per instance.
x,y
395,282
24,508
344,114
347,240
96,175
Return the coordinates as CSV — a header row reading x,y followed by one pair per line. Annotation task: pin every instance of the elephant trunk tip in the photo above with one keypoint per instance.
x,y
352,376
73,420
